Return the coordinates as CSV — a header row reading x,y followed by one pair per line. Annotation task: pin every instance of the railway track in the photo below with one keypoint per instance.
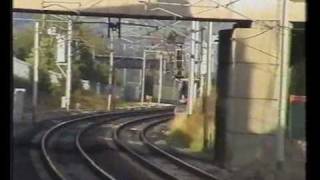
x,y
68,164
164,164
95,142
203,169
70,148
59,139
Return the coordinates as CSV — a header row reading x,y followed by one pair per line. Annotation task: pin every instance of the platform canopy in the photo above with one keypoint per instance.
x,y
217,10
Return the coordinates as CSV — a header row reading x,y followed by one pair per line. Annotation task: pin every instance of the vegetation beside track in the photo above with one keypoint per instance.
x,y
187,131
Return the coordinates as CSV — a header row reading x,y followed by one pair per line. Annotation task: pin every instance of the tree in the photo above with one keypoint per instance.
x,y
23,43
46,62
90,38
83,66
171,39
87,40
102,72
85,62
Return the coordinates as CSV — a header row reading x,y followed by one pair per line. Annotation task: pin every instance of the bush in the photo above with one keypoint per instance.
x,y
188,130
88,100
179,138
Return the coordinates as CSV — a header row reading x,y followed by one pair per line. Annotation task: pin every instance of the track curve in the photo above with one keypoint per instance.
x,y
173,158
55,171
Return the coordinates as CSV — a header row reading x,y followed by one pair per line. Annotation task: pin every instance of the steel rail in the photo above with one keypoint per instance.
x,y
144,161
92,163
170,156
44,139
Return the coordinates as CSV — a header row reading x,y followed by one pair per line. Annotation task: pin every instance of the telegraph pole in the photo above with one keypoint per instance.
x,y
68,80
284,63
35,72
110,72
160,78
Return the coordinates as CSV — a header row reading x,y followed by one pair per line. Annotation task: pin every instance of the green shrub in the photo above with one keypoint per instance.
x,y
179,138
88,100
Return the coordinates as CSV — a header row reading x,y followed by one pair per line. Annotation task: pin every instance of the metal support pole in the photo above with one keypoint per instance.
x,y
68,80
165,67
143,76
110,72
284,63
201,75
209,59
191,72
208,88
197,58
140,83
160,79
43,25
35,72
124,78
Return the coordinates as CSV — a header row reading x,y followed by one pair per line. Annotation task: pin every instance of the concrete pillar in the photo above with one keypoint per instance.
x,y
18,104
248,91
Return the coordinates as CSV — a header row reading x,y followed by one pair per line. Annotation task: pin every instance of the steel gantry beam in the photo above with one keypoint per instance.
x,y
217,10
